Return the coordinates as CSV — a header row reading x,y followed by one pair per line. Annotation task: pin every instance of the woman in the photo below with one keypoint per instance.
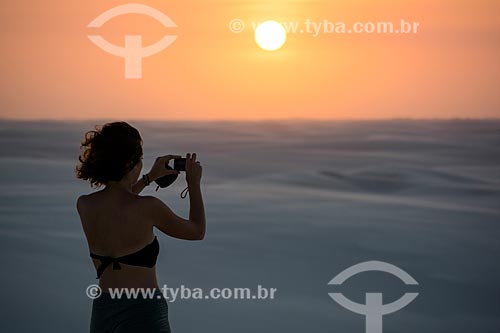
x,y
118,224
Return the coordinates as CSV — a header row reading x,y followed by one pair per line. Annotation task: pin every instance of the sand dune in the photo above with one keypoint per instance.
x,y
289,206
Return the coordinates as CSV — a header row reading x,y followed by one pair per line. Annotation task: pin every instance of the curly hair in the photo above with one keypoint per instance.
x,y
109,153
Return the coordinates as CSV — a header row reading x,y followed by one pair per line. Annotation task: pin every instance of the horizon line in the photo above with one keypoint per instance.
x,y
248,120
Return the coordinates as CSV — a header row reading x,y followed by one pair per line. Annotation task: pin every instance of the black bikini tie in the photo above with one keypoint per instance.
x,y
105,262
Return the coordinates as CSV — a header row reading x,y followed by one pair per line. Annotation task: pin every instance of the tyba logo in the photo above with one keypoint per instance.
x,y
374,309
133,52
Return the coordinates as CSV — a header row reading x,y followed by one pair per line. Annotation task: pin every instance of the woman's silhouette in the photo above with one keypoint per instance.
x,y
118,224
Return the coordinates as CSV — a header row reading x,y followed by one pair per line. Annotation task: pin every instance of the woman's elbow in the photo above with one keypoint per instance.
x,y
201,235
195,235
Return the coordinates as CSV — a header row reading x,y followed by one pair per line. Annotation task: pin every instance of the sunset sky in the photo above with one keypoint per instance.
x,y
450,68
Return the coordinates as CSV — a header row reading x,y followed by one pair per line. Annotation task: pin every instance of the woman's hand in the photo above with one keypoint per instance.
x,y
159,168
193,170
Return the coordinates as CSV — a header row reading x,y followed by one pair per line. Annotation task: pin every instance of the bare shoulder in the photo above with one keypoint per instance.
x,y
85,202
82,202
155,210
150,203
162,217
149,208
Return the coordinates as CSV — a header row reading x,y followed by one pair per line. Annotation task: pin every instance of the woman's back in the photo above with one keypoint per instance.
x,y
115,226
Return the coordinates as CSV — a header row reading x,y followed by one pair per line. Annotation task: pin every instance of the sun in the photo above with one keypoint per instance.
x,y
270,35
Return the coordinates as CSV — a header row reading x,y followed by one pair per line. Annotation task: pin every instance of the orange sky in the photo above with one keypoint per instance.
x,y
50,69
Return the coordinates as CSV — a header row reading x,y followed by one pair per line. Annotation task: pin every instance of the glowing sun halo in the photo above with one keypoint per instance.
x,y
270,35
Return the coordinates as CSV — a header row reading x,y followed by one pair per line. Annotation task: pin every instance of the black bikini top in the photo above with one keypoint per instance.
x,y
145,257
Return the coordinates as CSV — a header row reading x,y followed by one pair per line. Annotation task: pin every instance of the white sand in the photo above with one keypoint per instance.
x,y
289,206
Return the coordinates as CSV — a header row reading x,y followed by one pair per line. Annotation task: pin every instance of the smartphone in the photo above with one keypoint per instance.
x,y
180,164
